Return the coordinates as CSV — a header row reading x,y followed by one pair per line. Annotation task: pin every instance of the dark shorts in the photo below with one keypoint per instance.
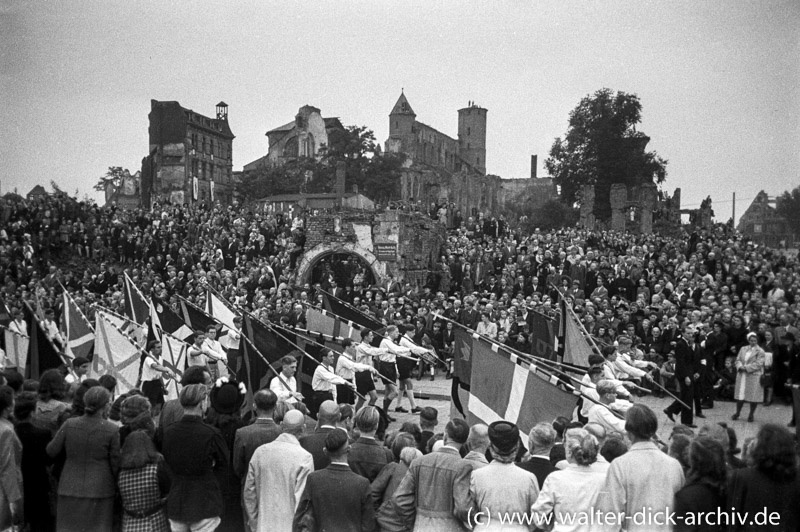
x,y
364,382
404,368
389,371
345,395
154,391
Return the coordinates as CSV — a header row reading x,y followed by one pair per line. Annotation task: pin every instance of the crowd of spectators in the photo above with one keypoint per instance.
x,y
710,315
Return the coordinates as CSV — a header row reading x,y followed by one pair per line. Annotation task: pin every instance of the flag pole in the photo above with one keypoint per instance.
x,y
85,319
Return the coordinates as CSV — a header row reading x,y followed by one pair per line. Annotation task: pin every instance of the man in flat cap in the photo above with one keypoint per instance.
x,y
502,488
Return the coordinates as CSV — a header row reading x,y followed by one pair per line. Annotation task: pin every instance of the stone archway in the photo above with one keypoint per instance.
x,y
314,255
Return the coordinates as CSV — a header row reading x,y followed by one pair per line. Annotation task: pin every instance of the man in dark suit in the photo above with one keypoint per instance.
x,y
335,498
687,358
367,456
428,419
314,443
263,430
540,442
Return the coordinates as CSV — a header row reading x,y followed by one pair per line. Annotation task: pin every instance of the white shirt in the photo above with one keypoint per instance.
x,y
52,332
148,372
365,353
213,350
280,390
325,380
346,368
409,344
392,350
19,327
603,416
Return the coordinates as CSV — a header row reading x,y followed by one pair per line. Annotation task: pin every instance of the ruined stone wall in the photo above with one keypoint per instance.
x,y
418,239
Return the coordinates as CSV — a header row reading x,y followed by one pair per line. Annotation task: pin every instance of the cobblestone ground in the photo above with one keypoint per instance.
x,y
437,395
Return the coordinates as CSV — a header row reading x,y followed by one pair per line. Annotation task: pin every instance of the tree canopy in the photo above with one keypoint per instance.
x,y
377,175
603,147
113,176
788,206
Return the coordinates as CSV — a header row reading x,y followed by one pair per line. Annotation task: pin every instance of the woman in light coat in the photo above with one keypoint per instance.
x,y
749,369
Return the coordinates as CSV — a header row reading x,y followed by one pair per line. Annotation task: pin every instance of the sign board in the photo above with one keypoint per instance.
x,y
386,252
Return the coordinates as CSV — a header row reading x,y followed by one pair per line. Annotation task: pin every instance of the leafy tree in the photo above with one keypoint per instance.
x,y
788,206
113,176
377,176
602,147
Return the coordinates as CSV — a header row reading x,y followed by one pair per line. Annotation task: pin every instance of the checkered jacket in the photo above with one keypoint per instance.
x,y
141,491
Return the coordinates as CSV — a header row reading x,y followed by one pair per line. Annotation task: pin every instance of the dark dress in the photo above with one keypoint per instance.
x,y
36,486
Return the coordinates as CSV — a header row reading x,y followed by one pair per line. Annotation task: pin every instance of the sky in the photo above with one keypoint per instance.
x,y
719,80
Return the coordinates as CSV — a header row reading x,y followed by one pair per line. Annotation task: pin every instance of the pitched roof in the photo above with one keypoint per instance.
x,y
402,107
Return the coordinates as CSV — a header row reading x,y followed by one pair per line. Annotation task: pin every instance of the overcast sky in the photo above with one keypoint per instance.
x,y
719,81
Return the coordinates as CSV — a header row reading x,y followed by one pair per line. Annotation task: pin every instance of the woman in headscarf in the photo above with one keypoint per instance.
x,y
749,369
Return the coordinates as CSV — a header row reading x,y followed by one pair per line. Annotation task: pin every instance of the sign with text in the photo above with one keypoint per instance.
x,y
386,252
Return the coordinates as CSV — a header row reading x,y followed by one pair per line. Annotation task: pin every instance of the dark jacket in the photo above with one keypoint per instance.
x,y
92,451
192,449
250,438
36,486
315,444
367,457
337,499
693,498
750,490
541,467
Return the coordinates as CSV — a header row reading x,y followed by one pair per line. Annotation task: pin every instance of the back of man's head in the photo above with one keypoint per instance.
x,y
293,423
478,439
542,438
336,443
265,401
328,413
366,420
456,432
598,431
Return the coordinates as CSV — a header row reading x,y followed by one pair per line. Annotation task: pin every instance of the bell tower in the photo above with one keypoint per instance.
x,y
472,135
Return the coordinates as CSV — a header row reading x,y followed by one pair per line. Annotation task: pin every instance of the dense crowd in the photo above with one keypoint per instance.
x,y
710,316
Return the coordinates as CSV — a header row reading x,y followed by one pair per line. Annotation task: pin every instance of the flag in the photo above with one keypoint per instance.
x,y
5,314
329,324
261,348
137,308
115,354
42,354
79,334
217,308
543,336
195,319
462,355
136,331
16,349
173,353
576,348
503,386
163,318
348,312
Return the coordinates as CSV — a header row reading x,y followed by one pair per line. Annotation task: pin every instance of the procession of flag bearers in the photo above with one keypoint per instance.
x,y
213,395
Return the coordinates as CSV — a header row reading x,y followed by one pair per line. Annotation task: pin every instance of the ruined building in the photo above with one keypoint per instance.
x,y
306,136
440,169
191,156
764,225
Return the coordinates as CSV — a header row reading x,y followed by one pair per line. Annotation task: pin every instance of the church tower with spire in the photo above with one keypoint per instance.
x,y
401,126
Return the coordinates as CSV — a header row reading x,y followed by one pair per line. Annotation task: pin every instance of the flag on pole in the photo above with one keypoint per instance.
x,y
16,349
137,308
5,314
42,354
79,334
115,354
163,318
196,319
173,353
329,324
219,310
503,386
543,336
348,312
136,331
576,348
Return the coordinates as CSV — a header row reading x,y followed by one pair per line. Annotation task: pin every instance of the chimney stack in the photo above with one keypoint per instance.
x,y
341,172
534,165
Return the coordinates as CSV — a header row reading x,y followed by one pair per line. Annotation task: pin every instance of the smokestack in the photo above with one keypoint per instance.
x,y
534,165
341,172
